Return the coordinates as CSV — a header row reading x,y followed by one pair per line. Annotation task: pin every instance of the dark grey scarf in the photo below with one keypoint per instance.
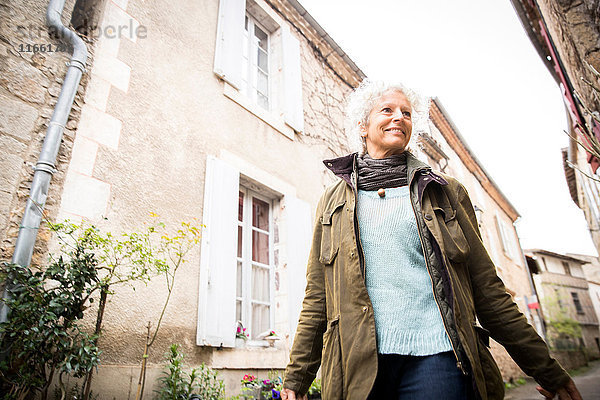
x,y
383,173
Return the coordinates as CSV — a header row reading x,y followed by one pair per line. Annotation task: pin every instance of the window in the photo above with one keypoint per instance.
x,y
566,267
248,215
577,303
505,235
258,58
254,263
561,305
255,63
544,262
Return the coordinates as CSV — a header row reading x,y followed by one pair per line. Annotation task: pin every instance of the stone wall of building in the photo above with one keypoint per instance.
x,y
574,26
29,87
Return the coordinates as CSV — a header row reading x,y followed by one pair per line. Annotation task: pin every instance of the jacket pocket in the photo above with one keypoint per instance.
x,y
331,233
494,385
331,362
455,243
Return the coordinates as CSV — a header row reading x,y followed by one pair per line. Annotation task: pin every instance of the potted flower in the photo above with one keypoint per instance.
x,y
270,336
251,387
240,335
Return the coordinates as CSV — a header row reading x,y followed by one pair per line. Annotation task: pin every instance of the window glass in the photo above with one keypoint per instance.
x,y
260,214
577,303
241,207
260,283
262,60
261,38
255,63
260,319
260,247
254,271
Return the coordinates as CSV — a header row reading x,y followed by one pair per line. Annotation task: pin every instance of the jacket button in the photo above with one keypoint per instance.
x,y
428,217
365,309
352,254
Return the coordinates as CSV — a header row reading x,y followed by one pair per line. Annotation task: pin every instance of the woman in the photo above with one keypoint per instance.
x,y
398,279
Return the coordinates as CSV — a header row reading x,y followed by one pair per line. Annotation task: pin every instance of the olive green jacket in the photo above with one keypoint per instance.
x,y
336,329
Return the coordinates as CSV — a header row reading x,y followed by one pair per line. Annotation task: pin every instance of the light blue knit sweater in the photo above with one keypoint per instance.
x,y
407,319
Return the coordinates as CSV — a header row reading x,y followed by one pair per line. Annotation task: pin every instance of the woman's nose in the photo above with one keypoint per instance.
x,y
397,116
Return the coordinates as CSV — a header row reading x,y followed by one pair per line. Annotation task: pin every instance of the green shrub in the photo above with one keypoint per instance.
x,y
200,383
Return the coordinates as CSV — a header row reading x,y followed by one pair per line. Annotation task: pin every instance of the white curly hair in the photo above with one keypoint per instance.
x,y
361,102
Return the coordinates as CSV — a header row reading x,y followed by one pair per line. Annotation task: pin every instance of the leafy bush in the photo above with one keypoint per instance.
x,y
42,334
176,384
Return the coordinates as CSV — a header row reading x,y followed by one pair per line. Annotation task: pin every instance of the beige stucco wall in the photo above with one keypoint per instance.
x,y
154,114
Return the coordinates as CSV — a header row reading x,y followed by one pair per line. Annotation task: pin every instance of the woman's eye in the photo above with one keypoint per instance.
x,y
386,110
406,114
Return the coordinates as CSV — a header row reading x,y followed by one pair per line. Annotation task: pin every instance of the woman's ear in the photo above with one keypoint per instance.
x,y
363,129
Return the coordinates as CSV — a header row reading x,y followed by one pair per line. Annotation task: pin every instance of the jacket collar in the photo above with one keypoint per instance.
x,y
343,167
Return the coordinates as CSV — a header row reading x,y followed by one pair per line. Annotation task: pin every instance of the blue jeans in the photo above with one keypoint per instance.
x,y
420,378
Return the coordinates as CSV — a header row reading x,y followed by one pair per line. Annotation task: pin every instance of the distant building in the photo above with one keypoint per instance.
x,y
570,318
591,270
442,146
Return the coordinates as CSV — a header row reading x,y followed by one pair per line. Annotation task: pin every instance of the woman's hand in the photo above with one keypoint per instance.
x,y
288,394
567,392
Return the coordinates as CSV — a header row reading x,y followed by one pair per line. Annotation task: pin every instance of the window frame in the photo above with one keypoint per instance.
x,y
247,263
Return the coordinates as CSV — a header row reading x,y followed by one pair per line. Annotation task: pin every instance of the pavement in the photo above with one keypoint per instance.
x,y
588,384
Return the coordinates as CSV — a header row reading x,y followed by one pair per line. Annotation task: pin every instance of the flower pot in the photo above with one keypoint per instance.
x,y
240,343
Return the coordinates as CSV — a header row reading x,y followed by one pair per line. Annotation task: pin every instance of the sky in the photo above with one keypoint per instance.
x,y
477,59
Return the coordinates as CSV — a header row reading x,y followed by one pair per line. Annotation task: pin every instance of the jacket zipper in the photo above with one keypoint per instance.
x,y
361,254
459,364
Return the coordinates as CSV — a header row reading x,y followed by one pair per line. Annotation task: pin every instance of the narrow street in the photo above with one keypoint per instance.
x,y
588,384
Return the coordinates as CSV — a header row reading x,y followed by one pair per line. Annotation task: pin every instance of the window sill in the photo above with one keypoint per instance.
x,y
276,122
251,357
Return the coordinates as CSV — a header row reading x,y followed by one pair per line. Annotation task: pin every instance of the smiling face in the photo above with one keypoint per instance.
x,y
389,125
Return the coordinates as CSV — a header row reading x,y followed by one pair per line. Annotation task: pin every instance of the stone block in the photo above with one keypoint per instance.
x,y
23,80
99,126
112,70
121,3
124,25
5,200
84,196
11,162
97,93
83,156
17,118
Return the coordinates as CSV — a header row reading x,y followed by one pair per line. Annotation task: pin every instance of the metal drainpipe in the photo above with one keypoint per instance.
x,y
45,166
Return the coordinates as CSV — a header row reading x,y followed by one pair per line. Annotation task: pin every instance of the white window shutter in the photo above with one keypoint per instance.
x,y
228,49
216,311
292,81
299,234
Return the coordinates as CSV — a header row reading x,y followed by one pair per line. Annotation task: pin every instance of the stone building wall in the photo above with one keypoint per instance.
x,y
29,87
575,28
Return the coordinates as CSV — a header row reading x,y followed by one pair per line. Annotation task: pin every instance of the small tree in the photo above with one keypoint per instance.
x,y
175,248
